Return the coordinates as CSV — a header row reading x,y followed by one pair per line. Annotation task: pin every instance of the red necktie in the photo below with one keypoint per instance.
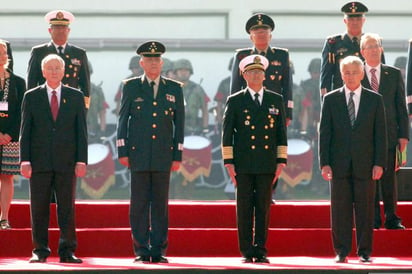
x,y
54,105
374,80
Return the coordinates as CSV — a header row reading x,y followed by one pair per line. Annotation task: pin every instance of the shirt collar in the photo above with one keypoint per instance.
x,y
252,92
356,91
49,89
157,80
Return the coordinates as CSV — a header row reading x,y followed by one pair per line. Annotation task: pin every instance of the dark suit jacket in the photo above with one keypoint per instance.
x,y
53,145
150,132
352,151
76,67
11,123
278,76
254,138
392,88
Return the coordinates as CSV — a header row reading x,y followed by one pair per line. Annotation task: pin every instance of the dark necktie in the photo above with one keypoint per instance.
x,y
54,105
263,53
374,80
257,99
355,42
152,84
60,48
351,109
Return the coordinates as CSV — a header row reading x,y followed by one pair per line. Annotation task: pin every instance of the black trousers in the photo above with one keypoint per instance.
x,y
149,216
42,185
349,195
253,199
387,187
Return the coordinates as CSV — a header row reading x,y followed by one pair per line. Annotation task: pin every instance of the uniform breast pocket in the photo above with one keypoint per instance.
x,y
137,109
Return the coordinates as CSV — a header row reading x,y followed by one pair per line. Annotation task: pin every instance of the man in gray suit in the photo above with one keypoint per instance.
x,y
352,155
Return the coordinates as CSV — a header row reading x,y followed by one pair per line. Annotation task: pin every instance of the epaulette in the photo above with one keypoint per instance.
x,y
332,39
173,81
243,49
280,49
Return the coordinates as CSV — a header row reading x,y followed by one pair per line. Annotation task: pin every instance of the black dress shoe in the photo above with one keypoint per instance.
x,y
341,259
247,260
394,225
159,259
365,259
262,260
37,259
71,260
142,259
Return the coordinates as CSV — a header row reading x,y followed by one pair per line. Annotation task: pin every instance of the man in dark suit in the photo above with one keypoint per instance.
x,y
76,71
150,142
387,81
352,155
338,46
53,151
278,76
254,150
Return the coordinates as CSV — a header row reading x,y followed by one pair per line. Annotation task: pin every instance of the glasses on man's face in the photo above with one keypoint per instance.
x,y
371,47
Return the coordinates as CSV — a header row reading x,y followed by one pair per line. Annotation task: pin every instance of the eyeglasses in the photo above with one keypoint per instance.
x,y
371,47
254,72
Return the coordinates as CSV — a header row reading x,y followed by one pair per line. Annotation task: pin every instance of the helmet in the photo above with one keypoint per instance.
x,y
134,62
167,65
400,62
314,65
183,64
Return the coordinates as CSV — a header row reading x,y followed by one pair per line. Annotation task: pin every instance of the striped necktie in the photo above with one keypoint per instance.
x,y
351,109
374,80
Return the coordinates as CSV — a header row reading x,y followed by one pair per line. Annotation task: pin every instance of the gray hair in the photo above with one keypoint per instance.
x,y
351,60
51,57
370,36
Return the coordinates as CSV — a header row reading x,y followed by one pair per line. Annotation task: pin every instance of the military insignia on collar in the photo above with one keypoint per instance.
x,y
170,98
139,99
76,62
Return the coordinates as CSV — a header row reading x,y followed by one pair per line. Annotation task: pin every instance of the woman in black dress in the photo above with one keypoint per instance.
x,y
12,88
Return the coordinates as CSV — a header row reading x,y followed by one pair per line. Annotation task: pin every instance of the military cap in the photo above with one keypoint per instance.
x,y
259,20
254,61
151,49
354,9
59,18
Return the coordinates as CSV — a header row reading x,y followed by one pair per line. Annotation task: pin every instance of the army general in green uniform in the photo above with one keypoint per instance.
x,y
338,46
150,143
254,150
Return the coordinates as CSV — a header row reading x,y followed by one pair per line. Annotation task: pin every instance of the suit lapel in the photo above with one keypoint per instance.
x,y
44,102
363,107
384,80
341,98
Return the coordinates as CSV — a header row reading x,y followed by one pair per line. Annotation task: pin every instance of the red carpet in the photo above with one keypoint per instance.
x,y
202,229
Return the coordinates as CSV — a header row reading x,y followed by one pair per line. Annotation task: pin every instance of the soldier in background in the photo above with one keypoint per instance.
x,y
278,77
167,69
196,99
310,103
400,63
96,117
338,46
137,70
76,66
223,91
